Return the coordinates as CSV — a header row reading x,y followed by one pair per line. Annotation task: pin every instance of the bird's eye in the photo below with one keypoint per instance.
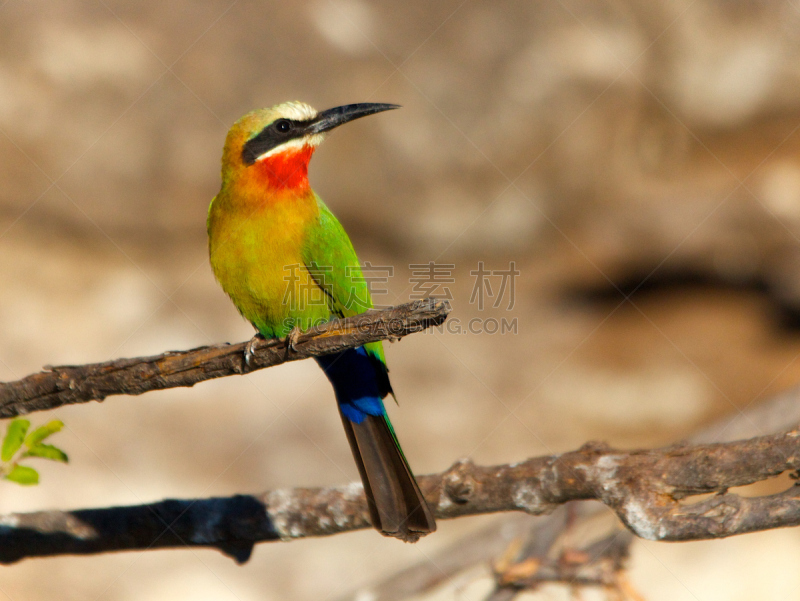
x,y
283,125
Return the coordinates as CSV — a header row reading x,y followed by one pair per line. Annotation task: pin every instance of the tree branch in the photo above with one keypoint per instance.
x,y
577,541
646,489
69,384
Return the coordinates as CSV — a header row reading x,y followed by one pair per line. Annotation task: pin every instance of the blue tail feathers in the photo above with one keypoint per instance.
x,y
355,383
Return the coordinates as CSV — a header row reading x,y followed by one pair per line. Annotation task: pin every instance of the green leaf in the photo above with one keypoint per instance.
x,y
47,451
23,475
14,437
42,432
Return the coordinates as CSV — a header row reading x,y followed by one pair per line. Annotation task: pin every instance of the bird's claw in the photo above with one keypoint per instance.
x,y
292,339
249,351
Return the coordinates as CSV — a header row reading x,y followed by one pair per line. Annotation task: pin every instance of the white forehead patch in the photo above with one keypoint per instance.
x,y
299,111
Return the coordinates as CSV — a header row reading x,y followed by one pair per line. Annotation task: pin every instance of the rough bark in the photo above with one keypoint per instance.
x,y
648,490
68,384
532,549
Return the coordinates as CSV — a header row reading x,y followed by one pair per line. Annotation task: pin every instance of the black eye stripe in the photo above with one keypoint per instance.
x,y
276,133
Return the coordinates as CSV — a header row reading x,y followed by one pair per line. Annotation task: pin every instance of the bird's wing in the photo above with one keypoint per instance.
x,y
331,260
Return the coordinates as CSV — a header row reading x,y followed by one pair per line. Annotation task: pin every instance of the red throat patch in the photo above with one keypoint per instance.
x,y
287,169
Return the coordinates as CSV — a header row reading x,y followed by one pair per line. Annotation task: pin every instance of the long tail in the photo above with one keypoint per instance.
x,y
396,505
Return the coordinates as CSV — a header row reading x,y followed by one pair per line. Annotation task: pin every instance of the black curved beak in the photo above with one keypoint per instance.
x,y
339,115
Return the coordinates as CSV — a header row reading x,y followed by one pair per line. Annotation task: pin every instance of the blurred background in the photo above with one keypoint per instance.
x,y
634,167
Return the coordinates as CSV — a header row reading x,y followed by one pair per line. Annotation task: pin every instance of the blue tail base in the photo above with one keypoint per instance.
x,y
352,374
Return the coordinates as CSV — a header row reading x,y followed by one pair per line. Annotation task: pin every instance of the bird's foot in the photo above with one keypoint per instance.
x,y
249,351
292,339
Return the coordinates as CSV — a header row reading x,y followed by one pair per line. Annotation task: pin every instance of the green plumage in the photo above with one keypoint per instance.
x,y
286,262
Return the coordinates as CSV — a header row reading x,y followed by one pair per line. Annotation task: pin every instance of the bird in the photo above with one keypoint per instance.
x,y
287,264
